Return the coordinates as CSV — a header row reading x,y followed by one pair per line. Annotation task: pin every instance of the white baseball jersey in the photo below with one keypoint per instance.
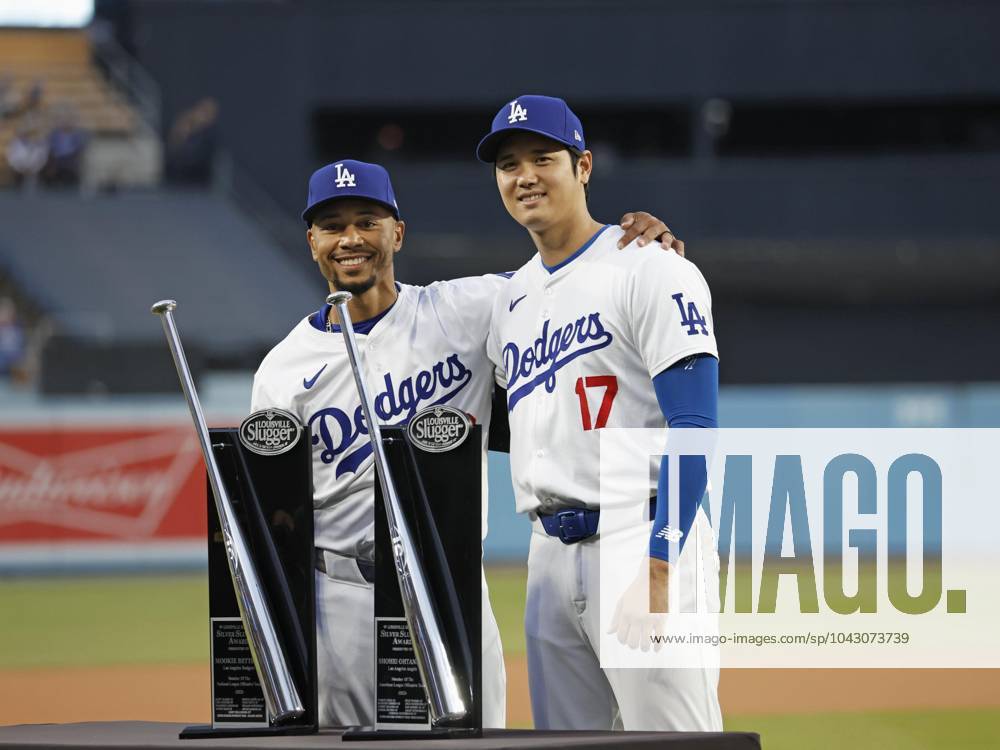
x,y
576,349
428,349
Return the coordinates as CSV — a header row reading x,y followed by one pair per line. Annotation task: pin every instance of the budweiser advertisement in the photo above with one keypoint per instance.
x,y
101,491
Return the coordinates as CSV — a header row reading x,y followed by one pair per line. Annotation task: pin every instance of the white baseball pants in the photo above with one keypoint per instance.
x,y
345,648
569,689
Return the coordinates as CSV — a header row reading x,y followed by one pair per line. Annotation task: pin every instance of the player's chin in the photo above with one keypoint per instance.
x,y
355,284
530,216
536,220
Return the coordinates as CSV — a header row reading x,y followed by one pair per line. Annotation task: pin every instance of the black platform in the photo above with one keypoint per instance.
x,y
140,734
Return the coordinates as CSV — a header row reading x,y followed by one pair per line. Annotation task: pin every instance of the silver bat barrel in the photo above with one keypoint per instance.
x,y
433,659
280,695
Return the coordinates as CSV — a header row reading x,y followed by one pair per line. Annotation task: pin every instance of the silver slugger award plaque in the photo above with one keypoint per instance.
x,y
270,432
437,429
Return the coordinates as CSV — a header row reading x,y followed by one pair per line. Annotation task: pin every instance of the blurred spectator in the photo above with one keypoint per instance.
x,y
31,104
8,98
27,154
191,144
12,340
67,142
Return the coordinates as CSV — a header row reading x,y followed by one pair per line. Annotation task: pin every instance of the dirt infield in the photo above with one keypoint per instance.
x,y
134,692
181,692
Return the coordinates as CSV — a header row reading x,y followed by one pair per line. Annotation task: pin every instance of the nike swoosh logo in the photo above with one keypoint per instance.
x,y
307,384
513,302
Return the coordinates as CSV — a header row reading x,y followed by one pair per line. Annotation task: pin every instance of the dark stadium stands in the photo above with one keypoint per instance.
x,y
95,265
831,164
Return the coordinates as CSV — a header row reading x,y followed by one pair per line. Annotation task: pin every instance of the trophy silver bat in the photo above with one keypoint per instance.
x,y
280,694
444,695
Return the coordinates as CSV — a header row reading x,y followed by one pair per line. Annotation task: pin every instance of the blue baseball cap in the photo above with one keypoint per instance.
x,y
350,179
545,115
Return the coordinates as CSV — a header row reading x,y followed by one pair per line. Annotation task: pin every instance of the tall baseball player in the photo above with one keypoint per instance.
x,y
420,346
586,337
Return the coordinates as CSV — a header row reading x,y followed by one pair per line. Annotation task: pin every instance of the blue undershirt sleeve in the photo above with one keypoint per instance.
x,y
688,394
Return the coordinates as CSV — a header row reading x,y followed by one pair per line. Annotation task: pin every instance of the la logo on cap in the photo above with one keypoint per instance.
x,y
344,177
517,113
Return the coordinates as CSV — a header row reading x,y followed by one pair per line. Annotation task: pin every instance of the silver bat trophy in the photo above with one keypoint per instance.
x,y
436,667
283,702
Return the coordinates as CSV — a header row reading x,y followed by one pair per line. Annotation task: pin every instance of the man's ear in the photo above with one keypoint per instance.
x,y
397,235
585,166
312,243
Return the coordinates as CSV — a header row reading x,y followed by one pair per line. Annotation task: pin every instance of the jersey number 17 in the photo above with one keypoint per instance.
x,y
610,385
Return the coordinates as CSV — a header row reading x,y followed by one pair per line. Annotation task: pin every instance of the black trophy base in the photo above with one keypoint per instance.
x,y
368,734
208,732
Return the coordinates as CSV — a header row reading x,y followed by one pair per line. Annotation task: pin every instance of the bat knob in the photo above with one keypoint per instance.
x,y
163,306
338,298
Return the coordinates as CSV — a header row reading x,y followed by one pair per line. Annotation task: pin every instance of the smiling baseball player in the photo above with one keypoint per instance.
x,y
586,337
420,346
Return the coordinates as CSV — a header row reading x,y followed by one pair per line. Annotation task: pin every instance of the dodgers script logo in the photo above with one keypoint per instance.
x,y
339,431
344,177
550,352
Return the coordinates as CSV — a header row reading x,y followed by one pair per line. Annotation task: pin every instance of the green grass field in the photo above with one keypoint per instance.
x,y
507,596
100,621
889,730
74,621
94,621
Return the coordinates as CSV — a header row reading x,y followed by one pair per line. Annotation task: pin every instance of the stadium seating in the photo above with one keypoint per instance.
x,y
61,62
95,265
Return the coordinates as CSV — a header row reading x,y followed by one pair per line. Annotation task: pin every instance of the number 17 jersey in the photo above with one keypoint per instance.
x,y
577,347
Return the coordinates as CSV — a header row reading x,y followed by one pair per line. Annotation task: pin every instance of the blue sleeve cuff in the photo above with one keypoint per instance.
x,y
688,394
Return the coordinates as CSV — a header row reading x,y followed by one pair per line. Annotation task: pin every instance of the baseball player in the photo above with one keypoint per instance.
x,y
586,337
420,346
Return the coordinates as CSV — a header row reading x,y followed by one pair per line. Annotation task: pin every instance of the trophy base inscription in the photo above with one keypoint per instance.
x,y
400,700
237,697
